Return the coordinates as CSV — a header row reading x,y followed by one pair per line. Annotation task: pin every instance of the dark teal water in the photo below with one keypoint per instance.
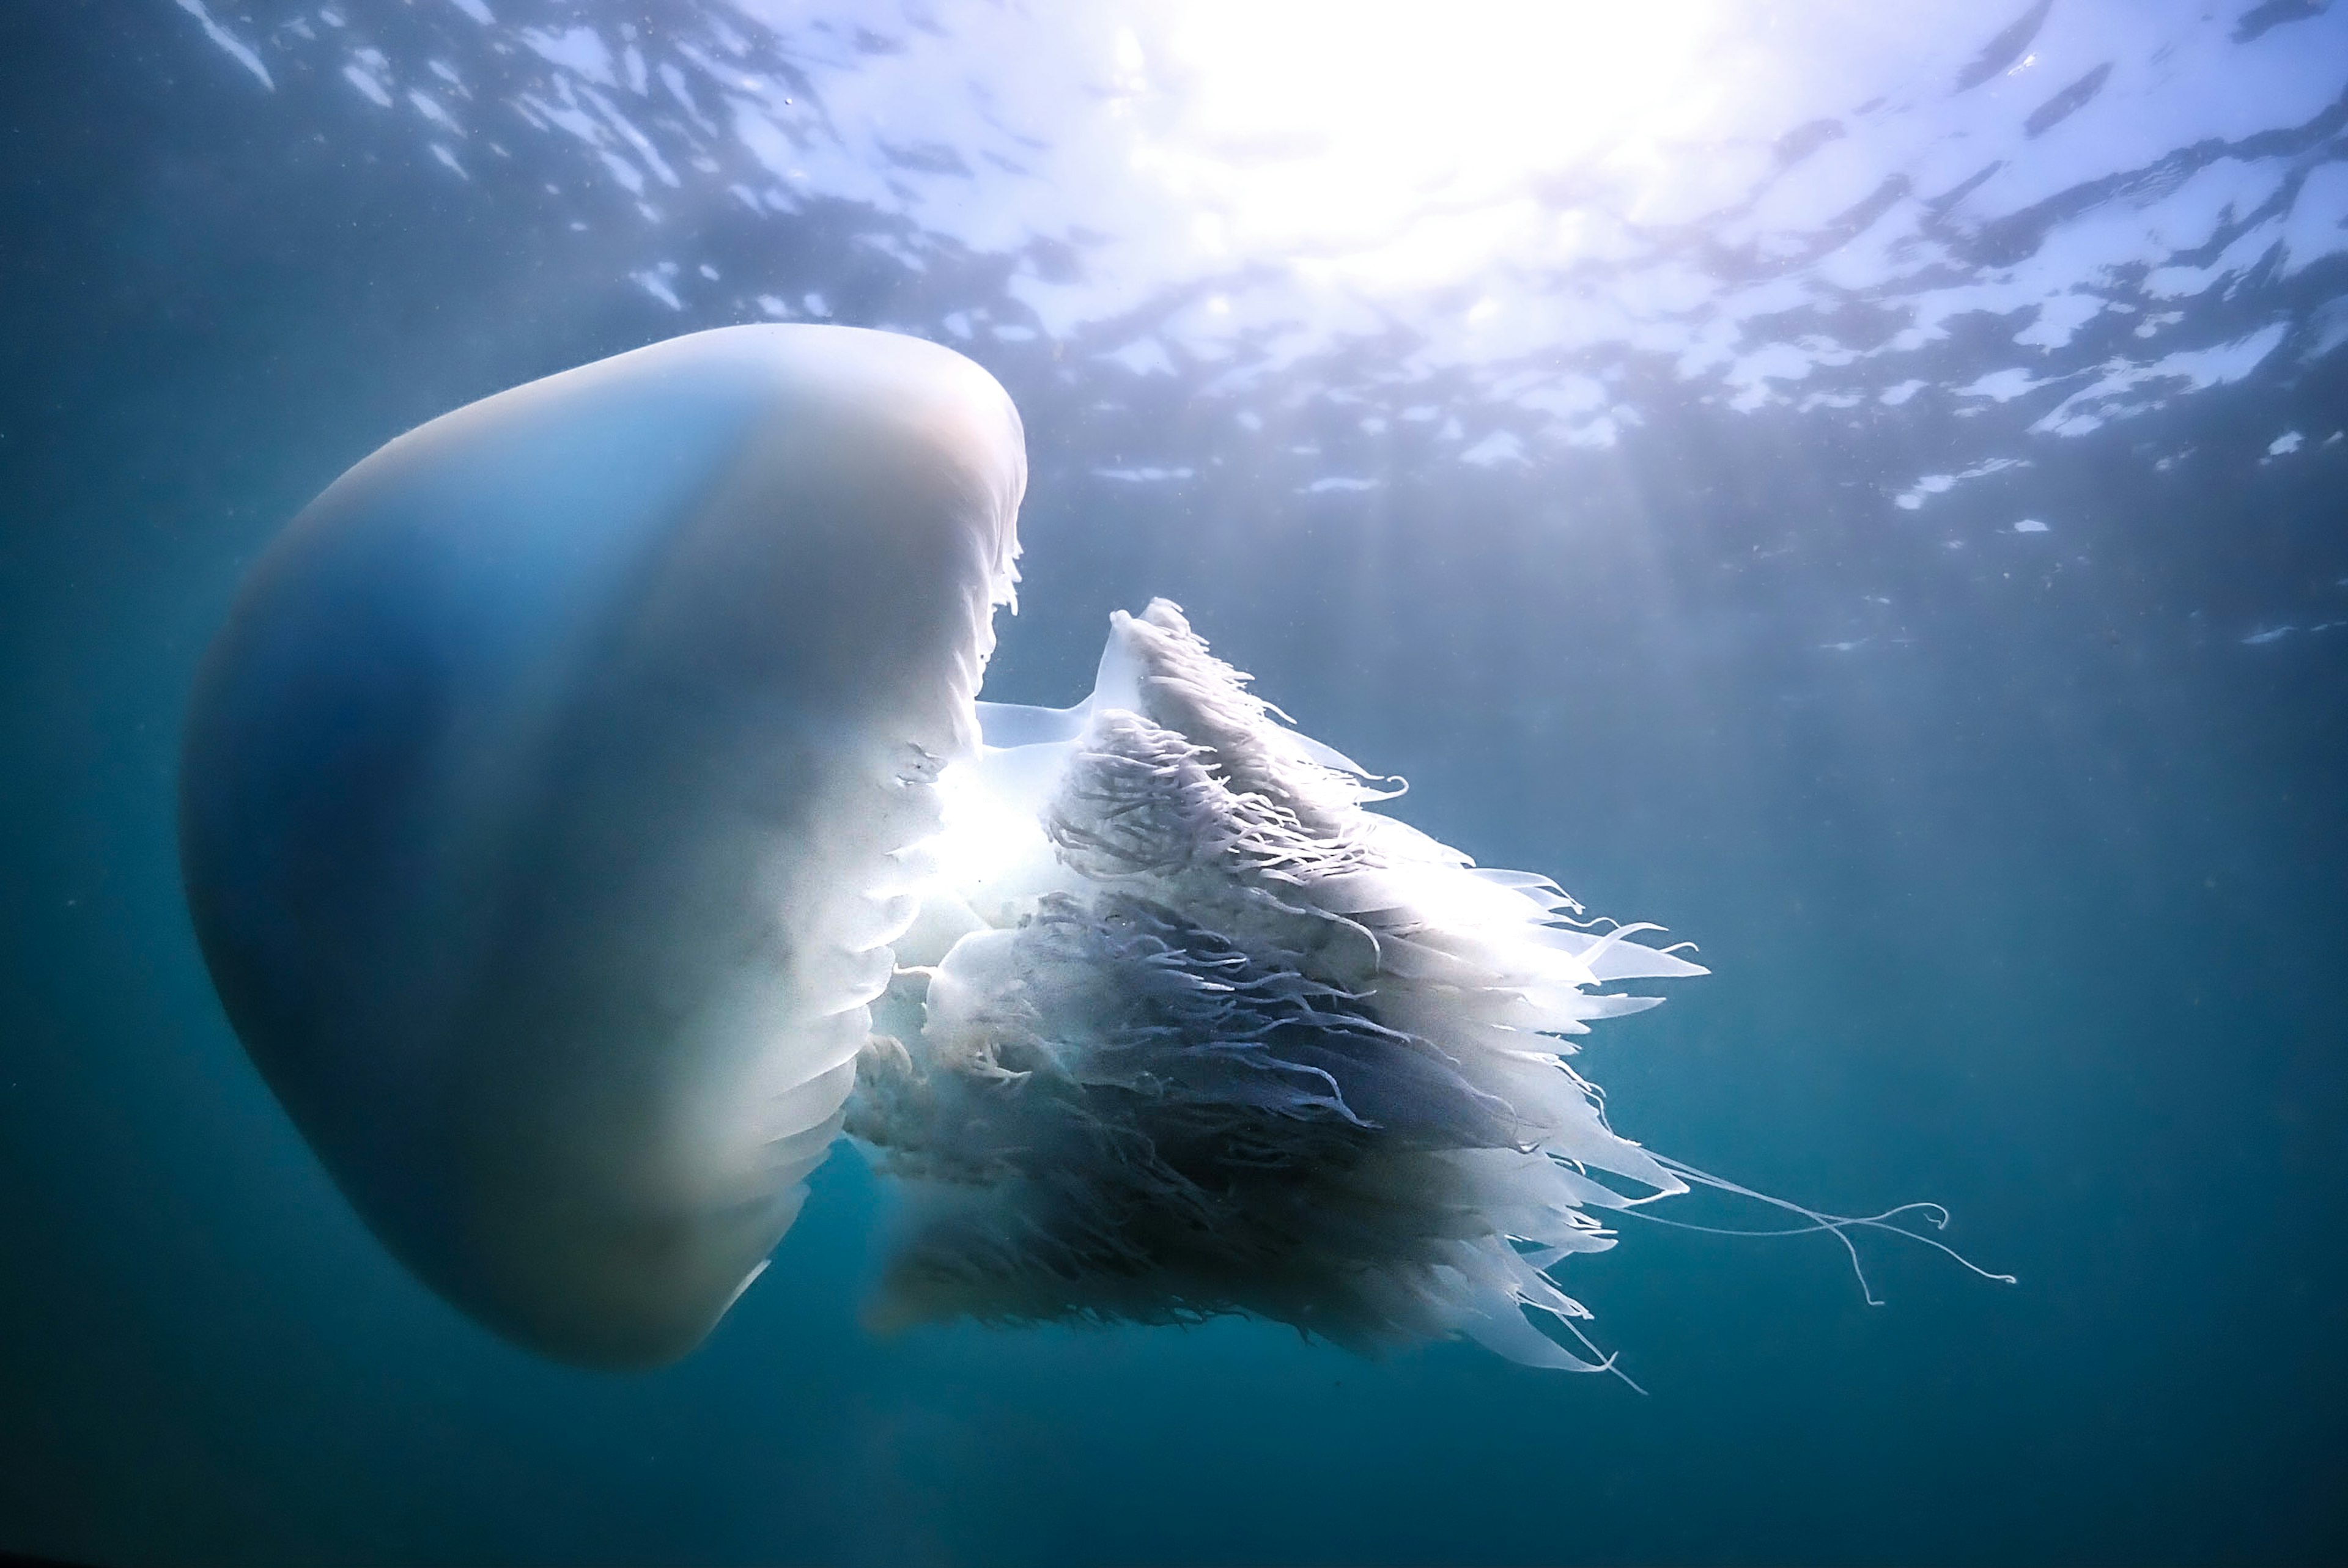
x,y
2035,903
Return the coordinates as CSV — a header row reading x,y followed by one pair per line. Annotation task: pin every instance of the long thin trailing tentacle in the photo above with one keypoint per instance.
x,y
1841,1225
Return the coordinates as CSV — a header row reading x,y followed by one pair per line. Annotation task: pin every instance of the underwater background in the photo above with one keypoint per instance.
x,y
1863,486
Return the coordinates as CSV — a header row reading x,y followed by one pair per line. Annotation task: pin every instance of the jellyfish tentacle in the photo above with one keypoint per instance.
x,y
1839,1225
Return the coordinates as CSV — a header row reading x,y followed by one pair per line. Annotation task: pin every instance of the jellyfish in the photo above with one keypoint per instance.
x,y
588,818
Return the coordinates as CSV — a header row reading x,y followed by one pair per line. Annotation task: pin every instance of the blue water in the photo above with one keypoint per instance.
x,y
2017,853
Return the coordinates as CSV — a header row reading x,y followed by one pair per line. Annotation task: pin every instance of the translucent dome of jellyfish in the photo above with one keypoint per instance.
x,y
588,817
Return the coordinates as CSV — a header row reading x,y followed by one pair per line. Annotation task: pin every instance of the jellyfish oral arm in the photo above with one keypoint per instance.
x,y
1186,1027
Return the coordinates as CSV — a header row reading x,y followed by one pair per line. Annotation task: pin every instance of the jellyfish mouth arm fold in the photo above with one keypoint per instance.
x,y
1205,1033
545,804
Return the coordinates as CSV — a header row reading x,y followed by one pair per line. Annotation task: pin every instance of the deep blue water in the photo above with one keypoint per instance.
x,y
2018,855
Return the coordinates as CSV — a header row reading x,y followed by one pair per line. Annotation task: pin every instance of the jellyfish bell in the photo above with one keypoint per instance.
x,y
588,817
544,801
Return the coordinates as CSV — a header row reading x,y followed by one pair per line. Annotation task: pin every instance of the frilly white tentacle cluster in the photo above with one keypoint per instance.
x,y
1197,1031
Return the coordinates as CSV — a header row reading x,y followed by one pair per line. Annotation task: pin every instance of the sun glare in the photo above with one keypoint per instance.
x,y
1393,144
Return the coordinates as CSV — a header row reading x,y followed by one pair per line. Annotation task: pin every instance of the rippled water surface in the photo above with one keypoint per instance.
x,y
1863,484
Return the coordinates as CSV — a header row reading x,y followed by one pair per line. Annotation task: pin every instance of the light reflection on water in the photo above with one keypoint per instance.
x,y
1783,211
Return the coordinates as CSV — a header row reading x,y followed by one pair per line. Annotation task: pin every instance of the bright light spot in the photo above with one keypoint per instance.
x,y
1397,143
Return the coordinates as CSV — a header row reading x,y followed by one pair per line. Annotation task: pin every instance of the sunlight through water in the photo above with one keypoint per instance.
x,y
1373,145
